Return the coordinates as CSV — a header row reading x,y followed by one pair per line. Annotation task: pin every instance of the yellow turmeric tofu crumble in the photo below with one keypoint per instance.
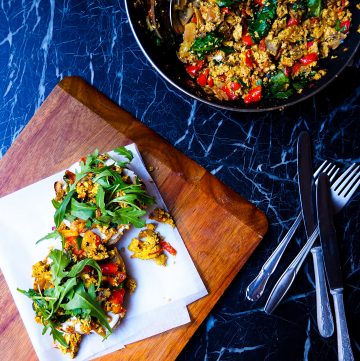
x,y
151,245
80,288
251,50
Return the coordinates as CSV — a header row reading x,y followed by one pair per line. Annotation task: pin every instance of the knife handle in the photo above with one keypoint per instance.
x,y
256,288
323,311
287,278
343,339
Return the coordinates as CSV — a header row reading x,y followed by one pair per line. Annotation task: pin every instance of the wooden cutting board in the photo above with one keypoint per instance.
x,y
219,227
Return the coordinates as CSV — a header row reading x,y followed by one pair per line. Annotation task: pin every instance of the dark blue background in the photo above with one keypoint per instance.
x,y
42,41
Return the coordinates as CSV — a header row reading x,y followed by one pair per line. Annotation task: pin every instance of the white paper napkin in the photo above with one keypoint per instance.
x,y
159,302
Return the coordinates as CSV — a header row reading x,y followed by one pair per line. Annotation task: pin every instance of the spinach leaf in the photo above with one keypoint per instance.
x,y
261,25
85,301
205,44
227,3
82,210
60,212
279,86
314,8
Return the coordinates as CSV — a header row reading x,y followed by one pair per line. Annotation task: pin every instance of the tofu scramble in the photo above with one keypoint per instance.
x,y
263,48
80,289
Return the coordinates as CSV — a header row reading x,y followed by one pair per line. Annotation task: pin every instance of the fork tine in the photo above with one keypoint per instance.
x,y
334,175
332,169
349,180
320,169
343,176
326,169
348,188
353,189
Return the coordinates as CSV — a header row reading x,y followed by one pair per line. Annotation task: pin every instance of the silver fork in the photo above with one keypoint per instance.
x,y
256,288
341,192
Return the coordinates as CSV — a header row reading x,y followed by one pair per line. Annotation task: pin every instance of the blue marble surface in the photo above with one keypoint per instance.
x,y
42,41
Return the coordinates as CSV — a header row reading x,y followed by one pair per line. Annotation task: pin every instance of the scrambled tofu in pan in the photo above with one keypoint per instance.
x,y
263,48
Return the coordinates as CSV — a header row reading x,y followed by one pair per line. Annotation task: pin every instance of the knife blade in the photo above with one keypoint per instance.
x,y
324,317
306,182
332,265
328,234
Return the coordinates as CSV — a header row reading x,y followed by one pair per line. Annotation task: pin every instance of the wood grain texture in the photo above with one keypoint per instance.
x,y
219,227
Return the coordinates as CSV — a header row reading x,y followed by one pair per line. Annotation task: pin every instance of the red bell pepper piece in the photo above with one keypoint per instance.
x,y
345,26
247,40
295,69
226,10
201,80
254,95
192,70
117,296
194,20
167,247
309,44
72,242
231,95
109,268
71,176
309,58
248,60
203,77
235,85
210,81
292,22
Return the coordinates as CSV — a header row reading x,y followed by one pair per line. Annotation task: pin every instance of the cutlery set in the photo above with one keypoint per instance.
x,y
330,196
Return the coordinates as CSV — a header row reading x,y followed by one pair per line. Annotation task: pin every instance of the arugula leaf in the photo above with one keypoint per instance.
x,y
43,308
60,212
55,203
106,172
202,46
100,199
82,300
82,210
63,290
58,336
60,260
78,267
125,152
52,235
91,292
129,215
261,25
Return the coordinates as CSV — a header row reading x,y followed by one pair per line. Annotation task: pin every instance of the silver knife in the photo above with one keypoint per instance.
x,y
332,265
306,185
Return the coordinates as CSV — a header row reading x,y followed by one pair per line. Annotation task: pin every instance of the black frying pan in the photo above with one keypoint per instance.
x,y
162,55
